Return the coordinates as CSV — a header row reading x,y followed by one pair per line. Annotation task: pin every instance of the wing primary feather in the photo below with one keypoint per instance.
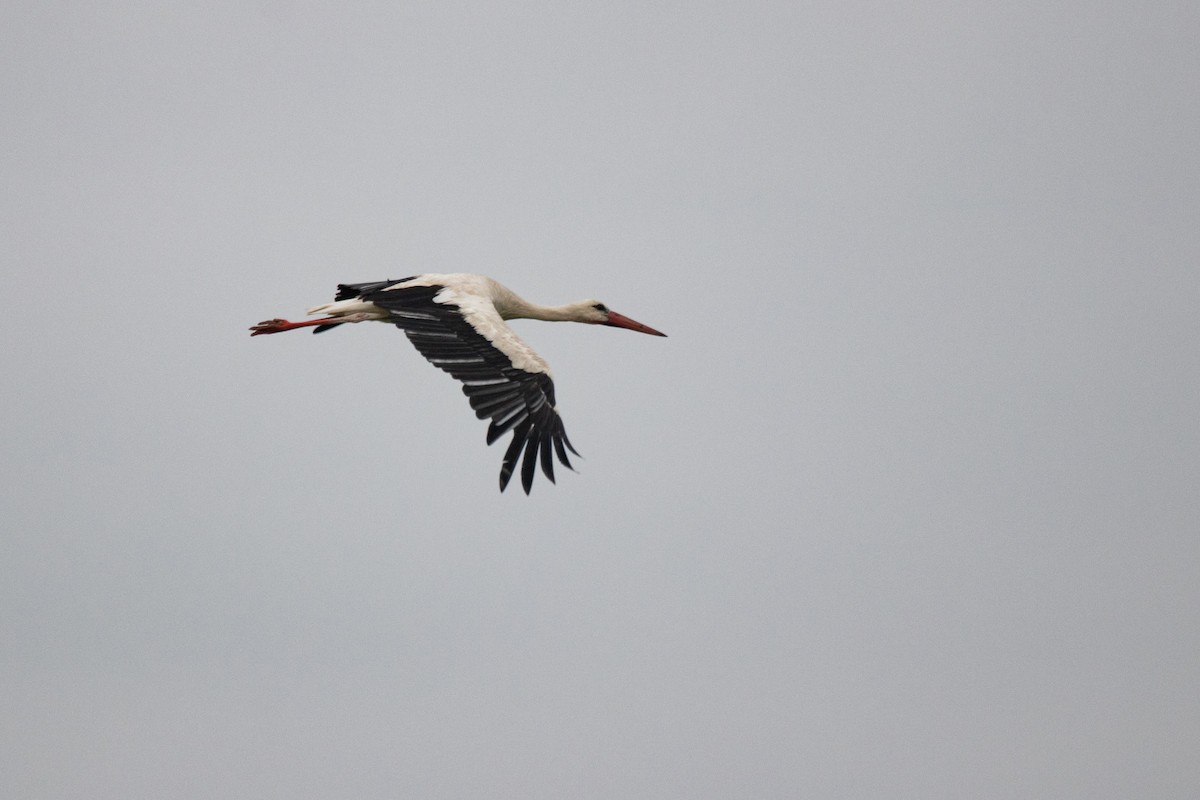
x,y
529,464
562,453
559,435
547,452
567,441
512,454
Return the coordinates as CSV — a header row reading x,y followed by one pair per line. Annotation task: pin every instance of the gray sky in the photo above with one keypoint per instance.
x,y
906,505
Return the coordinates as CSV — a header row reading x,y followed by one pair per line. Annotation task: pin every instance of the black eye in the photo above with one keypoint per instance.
x,y
601,308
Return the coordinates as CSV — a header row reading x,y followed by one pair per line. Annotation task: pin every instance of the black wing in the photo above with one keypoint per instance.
x,y
513,399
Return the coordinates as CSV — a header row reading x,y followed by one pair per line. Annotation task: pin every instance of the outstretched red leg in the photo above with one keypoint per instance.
x,y
281,325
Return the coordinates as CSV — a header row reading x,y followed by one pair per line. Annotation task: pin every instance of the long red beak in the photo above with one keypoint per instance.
x,y
620,321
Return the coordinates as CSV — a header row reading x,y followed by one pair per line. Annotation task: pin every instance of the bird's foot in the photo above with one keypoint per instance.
x,y
272,326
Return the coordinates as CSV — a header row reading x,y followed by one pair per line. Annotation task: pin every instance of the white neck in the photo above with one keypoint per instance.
x,y
567,313
511,306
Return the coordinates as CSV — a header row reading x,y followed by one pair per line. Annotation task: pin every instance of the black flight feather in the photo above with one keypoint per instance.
x,y
513,399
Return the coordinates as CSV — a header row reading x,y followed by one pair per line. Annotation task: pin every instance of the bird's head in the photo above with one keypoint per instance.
x,y
596,313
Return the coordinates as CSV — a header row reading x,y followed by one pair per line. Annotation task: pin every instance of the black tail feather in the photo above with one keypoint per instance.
x,y
347,291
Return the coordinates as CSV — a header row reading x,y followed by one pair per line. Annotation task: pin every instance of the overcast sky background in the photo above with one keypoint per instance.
x,y
906,505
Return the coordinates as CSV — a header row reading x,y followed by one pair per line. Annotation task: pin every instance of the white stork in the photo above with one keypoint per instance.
x,y
457,322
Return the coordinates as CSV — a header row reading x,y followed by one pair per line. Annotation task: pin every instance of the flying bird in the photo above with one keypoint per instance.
x,y
457,322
